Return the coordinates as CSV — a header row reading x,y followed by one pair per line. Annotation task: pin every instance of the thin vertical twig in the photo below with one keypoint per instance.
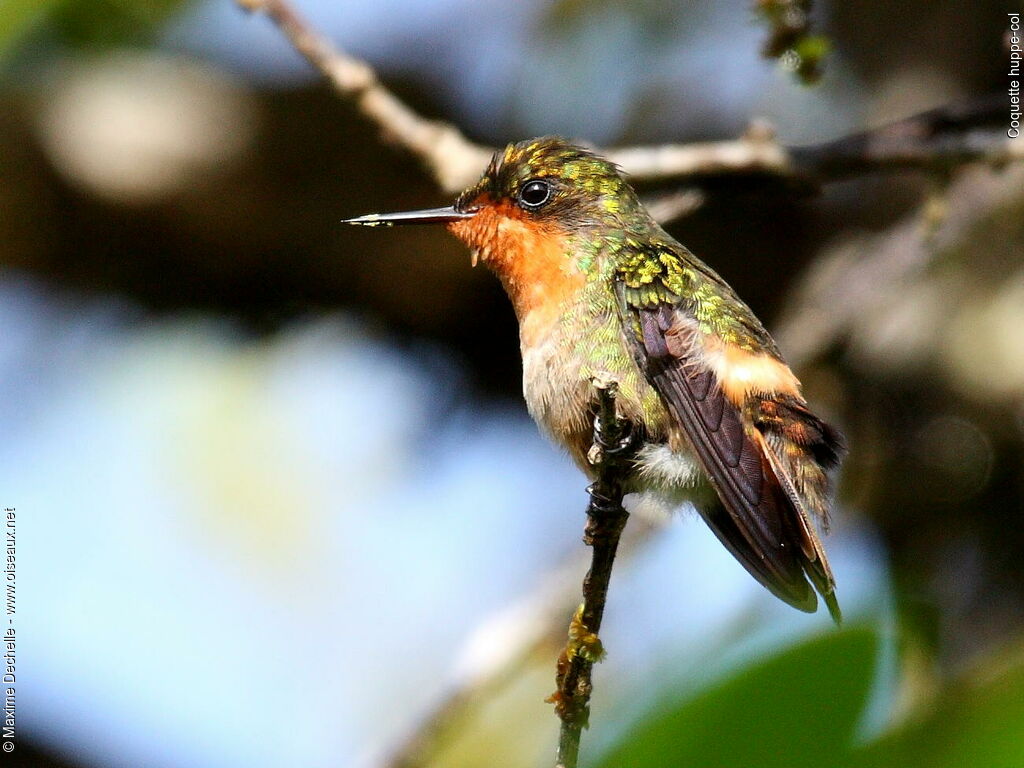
x,y
606,518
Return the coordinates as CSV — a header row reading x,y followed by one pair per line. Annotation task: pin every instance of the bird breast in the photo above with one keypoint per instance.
x,y
558,395
583,342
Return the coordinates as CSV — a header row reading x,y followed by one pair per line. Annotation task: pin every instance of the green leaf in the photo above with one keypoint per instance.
x,y
105,23
799,708
975,723
85,24
18,18
813,47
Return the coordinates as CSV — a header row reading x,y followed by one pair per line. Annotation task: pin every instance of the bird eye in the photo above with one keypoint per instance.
x,y
534,194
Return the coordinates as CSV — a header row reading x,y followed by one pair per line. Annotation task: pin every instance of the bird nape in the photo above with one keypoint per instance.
x,y
600,289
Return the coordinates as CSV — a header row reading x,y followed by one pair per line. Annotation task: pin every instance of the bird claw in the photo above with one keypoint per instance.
x,y
602,501
624,447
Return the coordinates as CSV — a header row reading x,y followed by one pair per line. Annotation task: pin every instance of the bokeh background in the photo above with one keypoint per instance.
x,y
279,502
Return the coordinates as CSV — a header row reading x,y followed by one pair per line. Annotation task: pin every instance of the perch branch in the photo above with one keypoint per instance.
x,y
610,455
934,140
503,648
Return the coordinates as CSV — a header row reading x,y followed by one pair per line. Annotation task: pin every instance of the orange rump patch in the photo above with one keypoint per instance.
x,y
741,373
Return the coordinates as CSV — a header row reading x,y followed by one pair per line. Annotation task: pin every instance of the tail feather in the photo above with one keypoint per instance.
x,y
799,448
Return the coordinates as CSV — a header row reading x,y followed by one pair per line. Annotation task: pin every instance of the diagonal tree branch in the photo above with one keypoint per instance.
x,y
933,141
452,159
938,139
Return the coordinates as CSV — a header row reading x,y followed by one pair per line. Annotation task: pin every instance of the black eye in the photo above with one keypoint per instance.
x,y
534,193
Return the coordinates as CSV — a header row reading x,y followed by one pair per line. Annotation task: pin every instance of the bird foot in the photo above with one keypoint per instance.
x,y
602,502
623,447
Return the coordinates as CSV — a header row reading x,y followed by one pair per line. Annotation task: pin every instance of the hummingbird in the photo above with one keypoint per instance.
x,y
601,290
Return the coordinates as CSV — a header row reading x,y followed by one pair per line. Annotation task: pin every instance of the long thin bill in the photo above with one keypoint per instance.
x,y
427,216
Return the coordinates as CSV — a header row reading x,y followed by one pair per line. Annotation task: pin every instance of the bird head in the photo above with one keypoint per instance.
x,y
535,196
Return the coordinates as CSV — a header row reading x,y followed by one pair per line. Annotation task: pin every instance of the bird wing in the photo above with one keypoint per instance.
x,y
761,518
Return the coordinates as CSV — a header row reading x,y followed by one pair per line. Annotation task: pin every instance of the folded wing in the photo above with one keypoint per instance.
x,y
763,517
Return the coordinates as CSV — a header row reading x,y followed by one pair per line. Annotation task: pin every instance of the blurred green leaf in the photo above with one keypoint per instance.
x,y
791,38
83,23
976,723
813,47
100,23
18,17
800,708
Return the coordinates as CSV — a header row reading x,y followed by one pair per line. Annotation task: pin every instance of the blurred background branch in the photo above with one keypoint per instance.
x,y
524,635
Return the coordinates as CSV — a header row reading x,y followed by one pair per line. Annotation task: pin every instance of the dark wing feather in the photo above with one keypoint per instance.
x,y
760,520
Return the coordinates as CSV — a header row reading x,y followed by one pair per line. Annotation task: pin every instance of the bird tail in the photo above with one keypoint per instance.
x,y
800,449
